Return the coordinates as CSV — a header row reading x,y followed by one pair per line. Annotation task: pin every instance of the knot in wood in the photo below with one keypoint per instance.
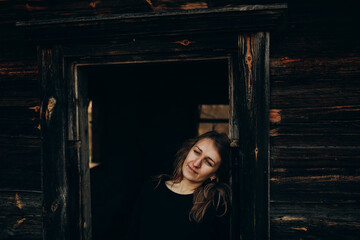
x,y
184,42
54,206
94,3
50,108
248,59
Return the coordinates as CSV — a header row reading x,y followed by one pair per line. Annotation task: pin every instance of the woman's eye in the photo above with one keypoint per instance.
x,y
197,152
209,163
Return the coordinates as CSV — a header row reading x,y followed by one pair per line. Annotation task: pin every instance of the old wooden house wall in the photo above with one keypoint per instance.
x,y
314,116
315,96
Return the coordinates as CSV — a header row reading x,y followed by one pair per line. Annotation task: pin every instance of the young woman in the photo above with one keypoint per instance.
x,y
194,202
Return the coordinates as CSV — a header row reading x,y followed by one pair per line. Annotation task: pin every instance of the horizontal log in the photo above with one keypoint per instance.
x,y
329,129
292,43
10,142
314,221
17,121
20,202
307,141
20,214
18,79
315,185
285,66
344,115
18,68
305,97
314,156
21,81
135,45
20,166
44,9
19,101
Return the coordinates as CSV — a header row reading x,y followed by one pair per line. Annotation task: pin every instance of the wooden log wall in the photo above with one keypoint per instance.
x,y
314,115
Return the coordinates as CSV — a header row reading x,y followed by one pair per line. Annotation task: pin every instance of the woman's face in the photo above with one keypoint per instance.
x,y
202,161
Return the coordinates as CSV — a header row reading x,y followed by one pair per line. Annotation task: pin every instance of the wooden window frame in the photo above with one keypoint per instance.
x,y
64,125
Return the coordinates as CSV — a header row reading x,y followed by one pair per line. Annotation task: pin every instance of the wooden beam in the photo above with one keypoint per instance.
x,y
53,134
250,129
176,22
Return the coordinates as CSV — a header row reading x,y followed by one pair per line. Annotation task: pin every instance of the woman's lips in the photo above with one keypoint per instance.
x,y
192,170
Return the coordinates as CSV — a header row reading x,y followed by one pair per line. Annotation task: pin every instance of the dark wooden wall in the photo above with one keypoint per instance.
x,y
314,116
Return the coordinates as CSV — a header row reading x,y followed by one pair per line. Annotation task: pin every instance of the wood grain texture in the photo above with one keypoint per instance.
x,y
314,185
315,221
53,114
250,102
20,214
315,124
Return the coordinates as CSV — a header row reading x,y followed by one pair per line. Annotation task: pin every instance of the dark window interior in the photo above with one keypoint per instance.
x,y
140,115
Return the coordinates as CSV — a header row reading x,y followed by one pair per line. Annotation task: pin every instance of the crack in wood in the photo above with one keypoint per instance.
x,y
248,61
17,200
50,108
19,222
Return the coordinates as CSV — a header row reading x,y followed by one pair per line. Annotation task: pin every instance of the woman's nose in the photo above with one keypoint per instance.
x,y
197,163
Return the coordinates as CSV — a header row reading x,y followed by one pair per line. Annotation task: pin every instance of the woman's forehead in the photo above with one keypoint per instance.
x,y
208,147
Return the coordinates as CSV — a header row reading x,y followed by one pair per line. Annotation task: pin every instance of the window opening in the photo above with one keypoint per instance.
x,y
139,115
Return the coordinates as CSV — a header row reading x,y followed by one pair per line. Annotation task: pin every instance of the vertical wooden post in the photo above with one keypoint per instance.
x,y
78,154
250,126
82,100
65,149
53,149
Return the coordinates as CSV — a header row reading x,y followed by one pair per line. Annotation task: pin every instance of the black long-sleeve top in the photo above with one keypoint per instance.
x,y
163,214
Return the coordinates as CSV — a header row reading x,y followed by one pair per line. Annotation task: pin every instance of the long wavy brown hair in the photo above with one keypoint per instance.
x,y
215,192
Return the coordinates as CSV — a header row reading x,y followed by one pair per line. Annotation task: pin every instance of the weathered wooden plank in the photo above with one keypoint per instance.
x,y
344,115
314,140
330,129
134,45
320,68
20,214
307,97
19,101
9,141
315,156
315,221
17,67
242,18
20,121
293,43
315,185
20,161
47,10
20,202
